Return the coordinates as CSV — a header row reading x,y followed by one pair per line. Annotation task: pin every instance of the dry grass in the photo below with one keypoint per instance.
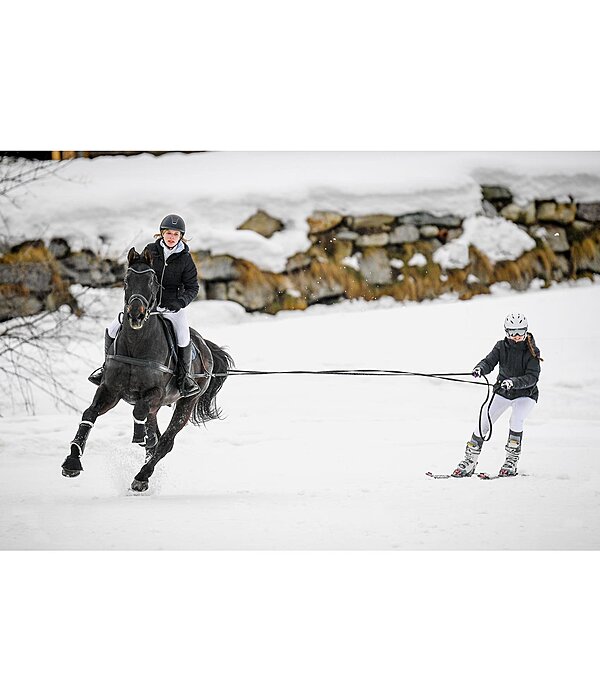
x,y
252,276
480,265
585,253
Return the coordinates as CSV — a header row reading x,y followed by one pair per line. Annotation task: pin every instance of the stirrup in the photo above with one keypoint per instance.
x,y
97,376
186,389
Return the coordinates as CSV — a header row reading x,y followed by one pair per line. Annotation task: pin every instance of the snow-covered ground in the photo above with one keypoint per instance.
x,y
309,462
109,204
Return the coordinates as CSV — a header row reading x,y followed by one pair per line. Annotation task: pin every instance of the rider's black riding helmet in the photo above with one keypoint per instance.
x,y
174,222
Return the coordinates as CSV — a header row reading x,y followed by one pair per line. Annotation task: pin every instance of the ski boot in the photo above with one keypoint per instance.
x,y
513,452
466,467
185,383
97,375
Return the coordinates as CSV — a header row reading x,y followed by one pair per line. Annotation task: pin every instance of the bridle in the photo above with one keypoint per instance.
x,y
146,303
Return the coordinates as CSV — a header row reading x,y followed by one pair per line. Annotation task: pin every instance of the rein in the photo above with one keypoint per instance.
x,y
151,364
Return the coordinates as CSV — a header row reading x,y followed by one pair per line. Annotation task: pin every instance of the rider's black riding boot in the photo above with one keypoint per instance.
x,y
97,375
186,385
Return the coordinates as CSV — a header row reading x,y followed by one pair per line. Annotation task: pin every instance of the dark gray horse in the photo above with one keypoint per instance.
x,y
141,370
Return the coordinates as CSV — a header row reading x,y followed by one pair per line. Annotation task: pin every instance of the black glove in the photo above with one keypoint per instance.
x,y
174,305
476,372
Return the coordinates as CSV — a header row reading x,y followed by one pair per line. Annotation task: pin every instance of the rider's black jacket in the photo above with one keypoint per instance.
x,y
517,363
178,276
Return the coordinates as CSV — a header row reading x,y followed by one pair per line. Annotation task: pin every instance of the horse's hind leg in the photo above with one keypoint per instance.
x,y
103,402
181,415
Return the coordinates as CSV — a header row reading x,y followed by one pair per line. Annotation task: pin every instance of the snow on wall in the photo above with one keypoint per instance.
x,y
498,238
113,203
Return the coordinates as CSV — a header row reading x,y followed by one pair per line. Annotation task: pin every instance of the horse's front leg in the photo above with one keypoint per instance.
x,y
103,401
144,418
181,415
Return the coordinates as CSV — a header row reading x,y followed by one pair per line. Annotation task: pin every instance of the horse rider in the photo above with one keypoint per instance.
x,y
178,277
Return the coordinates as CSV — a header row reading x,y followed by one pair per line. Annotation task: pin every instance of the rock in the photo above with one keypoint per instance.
x,y
496,193
321,221
262,223
375,223
512,212
297,262
201,292
216,291
581,226
346,235
589,211
13,306
218,267
375,266
253,296
529,214
561,213
373,240
429,231
59,248
562,269
424,218
489,209
453,233
35,277
82,261
321,282
555,237
405,233
86,269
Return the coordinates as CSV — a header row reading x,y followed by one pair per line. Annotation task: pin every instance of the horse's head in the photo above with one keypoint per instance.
x,y
141,288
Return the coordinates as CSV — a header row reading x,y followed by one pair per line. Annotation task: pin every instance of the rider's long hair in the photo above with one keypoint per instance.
x,y
533,349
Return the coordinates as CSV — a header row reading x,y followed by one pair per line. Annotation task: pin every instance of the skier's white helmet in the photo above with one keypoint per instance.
x,y
514,323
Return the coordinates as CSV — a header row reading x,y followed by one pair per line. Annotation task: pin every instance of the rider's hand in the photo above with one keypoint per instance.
x,y
507,384
174,305
476,372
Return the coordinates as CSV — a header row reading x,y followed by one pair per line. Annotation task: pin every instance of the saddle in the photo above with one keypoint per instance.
x,y
199,348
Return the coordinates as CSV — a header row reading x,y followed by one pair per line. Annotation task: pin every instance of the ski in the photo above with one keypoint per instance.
x,y
481,475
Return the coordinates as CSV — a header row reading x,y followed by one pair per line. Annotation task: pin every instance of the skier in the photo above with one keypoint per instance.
x,y
516,388
177,274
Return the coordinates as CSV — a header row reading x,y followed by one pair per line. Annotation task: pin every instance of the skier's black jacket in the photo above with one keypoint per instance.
x,y
179,277
516,363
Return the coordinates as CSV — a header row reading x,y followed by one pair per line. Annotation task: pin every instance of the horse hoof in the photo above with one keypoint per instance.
x,y
139,485
71,466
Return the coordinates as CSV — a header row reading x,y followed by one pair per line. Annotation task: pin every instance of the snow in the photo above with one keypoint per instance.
x,y
418,260
498,238
112,203
319,463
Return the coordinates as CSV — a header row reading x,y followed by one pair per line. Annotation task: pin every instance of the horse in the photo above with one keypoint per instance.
x,y
141,370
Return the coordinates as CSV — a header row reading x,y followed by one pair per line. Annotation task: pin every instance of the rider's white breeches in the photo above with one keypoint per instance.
x,y
177,318
521,408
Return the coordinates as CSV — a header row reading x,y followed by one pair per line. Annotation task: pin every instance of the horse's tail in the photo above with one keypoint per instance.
x,y
206,407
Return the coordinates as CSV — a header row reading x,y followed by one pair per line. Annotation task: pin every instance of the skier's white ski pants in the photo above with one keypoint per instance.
x,y
521,408
177,318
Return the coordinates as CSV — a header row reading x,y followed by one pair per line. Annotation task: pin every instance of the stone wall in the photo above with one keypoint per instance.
x,y
348,257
